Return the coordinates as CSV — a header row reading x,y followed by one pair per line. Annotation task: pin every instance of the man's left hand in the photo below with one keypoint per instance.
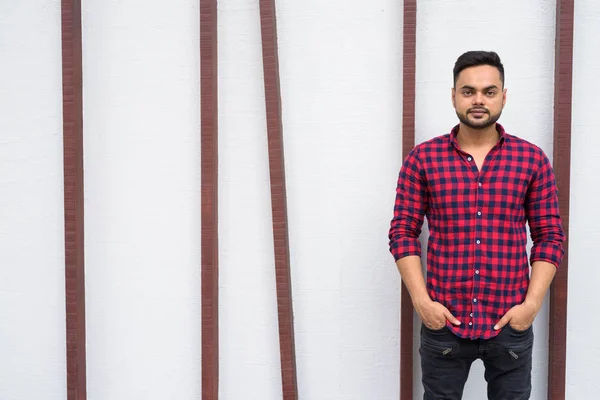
x,y
519,317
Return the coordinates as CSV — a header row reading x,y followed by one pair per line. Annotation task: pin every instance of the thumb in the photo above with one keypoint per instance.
x,y
451,318
503,321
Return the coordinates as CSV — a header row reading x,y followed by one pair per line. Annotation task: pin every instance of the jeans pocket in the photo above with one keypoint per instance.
x,y
440,342
518,344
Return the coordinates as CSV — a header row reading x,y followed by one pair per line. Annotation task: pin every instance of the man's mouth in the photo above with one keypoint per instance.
x,y
478,113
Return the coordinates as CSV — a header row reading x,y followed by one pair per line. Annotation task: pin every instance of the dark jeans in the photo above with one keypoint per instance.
x,y
446,360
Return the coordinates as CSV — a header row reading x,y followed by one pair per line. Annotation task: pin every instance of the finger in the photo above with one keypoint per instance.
x,y
451,318
503,321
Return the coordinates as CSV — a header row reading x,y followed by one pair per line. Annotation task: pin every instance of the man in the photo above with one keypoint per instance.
x,y
478,186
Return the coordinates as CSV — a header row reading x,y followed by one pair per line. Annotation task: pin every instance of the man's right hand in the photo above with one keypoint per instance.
x,y
434,315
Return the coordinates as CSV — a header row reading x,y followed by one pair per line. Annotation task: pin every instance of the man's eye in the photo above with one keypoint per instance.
x,y
491,93
467,93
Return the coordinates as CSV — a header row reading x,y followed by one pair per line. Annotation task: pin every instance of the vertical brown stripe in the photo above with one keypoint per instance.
x,y
73,198
209,210
563,90
408,142
268,22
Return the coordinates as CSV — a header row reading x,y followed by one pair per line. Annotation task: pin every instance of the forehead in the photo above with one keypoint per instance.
x,y
479,76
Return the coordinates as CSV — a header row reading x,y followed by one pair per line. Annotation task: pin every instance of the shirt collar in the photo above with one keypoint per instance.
x,y
499,128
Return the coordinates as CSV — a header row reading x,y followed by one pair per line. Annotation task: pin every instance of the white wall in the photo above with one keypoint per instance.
x,y
32,300
523,35
142,198
583,350
341,86
341,79
249,340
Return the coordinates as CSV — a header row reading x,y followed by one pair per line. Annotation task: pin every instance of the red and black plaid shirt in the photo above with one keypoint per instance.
x,y
477,262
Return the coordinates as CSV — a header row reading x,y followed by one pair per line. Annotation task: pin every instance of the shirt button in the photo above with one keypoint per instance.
x,y
478,242
477,271
469,158
478,212
471,315
474,300
470,324
479,183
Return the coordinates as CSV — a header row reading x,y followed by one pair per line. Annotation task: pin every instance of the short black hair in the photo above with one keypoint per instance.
x,y
476,58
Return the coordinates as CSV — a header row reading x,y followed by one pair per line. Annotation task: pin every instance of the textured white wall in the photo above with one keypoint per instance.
x,y
583,350
523,35
32,300
142,198
341,70
249,341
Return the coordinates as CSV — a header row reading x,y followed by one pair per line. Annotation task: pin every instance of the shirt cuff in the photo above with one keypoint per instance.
x,y
549,252
405,247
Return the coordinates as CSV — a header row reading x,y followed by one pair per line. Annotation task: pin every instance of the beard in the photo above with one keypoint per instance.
x,y
478,124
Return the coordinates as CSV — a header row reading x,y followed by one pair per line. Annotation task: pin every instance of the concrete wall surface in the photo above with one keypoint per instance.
x,y
32,283
142,198
341,86
583,351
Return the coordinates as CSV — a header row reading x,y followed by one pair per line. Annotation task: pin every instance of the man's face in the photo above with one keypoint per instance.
x,y
478,96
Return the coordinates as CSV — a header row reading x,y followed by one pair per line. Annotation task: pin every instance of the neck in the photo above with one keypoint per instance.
x,y
468,137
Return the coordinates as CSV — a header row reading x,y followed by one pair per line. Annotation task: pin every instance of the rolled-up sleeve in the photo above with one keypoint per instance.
x,y
410,207
543,216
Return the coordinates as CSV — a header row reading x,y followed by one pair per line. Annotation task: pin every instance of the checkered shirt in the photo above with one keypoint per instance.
x,y
477,264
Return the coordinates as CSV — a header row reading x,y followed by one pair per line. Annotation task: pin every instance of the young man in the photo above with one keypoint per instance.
x,y
478,186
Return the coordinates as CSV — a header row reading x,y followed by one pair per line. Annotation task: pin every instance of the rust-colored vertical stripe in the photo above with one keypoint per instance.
x,y
209,210
563,90
73,197
268,21
409,55
408,142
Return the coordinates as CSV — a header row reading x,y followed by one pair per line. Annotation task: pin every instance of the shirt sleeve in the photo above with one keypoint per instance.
x,y
410,207
543,215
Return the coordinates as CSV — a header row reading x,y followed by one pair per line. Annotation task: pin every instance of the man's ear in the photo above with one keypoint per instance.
x,y
504,97
454,97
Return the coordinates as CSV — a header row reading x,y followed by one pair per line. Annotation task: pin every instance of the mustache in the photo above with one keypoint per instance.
x,y
478,109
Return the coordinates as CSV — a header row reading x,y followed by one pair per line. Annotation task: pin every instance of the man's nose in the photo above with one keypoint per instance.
x,y
478,98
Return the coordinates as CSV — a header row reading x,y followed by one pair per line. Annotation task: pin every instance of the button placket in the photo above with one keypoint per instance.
x,y
478,220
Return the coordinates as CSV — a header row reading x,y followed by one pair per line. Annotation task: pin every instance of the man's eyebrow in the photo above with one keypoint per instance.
x,y
484,89
490,87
